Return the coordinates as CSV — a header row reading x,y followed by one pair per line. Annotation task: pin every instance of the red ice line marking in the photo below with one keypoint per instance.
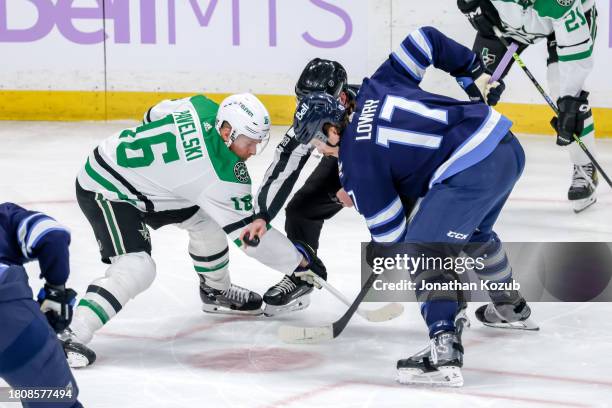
x,y
475,342
180,334
541,376
341,384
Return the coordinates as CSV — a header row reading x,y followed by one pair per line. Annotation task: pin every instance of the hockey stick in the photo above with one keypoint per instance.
x,y
294,334
387,312
504,62
550,102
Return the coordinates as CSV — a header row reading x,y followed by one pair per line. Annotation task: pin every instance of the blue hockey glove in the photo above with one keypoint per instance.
x,y
57,303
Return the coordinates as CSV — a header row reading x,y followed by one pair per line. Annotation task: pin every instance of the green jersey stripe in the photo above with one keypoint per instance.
x,y
587,130
214,268
95,176
576,57
96,308
111,222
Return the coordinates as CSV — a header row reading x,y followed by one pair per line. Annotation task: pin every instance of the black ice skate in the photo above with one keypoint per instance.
x,y
439,364
582,191
288,295
234,300
507,315
78,354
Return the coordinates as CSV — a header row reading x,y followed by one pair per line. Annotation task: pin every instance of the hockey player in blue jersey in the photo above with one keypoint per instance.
x,y
458,158
30,353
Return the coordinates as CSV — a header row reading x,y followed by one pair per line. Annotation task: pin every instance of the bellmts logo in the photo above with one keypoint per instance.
x,y
121,15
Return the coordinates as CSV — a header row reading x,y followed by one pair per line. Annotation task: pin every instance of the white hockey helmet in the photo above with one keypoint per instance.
x,y
247,116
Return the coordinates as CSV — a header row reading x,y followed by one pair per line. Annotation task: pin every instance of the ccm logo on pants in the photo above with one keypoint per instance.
x,y
458,235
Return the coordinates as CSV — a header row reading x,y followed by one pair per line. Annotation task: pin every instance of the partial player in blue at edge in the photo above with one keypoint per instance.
x,y
457,160
30,353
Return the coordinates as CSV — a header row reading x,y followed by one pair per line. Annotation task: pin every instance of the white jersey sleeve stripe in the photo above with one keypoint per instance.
x,y
393,235
409,63
420,40
38,230
386,215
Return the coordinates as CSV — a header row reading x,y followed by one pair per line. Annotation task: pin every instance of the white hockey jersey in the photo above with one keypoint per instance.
x,y
528,21
177,159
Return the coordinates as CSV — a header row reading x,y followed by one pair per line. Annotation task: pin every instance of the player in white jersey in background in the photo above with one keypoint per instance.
x,y
569,27
184,166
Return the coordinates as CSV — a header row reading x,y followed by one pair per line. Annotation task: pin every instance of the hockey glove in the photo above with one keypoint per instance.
x,y
314,263
475,83
482,15
572,114
56,303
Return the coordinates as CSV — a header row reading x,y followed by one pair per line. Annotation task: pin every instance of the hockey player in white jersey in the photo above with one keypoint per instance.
x,y
569,27
183,166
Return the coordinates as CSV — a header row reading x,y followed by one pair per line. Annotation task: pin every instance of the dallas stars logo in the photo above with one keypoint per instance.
x,y
145,232
207,126
241,172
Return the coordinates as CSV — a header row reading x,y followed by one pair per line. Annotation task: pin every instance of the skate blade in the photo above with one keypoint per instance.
x,y
77,360
217,309
581,205
528,324
305,335
446,376
388,312
297,304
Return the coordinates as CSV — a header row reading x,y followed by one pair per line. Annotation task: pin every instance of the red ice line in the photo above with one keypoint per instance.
x,y
541,376
180,334
347,383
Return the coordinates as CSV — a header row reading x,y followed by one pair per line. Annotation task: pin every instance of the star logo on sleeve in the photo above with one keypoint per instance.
x,y
145,232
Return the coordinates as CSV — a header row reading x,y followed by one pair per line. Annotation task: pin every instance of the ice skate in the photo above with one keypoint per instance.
x,y
289,295
234,300
582,191
78,354
439,364
507,315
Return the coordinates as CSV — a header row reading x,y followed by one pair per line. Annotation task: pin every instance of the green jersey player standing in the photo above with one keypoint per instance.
x,y
569,27
184,166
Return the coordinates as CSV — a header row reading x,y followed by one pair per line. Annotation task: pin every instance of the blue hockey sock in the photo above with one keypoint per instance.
x,y
439,315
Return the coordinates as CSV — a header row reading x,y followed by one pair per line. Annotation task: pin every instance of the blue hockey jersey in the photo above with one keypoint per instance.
x,y
402,140
27,235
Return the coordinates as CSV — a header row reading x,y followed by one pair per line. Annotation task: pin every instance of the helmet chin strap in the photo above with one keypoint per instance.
x,y
230,139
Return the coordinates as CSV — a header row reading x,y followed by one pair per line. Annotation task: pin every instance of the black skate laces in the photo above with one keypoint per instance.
x,y
286,285
583,176
235,292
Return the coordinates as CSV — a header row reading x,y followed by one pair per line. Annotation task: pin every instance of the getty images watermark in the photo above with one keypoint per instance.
x,y
422,263
541,271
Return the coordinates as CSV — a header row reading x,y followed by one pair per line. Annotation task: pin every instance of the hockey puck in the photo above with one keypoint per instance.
x,y
250,242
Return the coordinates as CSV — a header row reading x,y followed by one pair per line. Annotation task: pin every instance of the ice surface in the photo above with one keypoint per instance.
x,y
162,351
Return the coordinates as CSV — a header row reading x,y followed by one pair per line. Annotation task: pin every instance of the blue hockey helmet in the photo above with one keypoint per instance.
x,y
313,112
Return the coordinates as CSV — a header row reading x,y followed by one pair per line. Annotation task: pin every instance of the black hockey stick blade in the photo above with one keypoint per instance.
x,y
301,335
339,325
